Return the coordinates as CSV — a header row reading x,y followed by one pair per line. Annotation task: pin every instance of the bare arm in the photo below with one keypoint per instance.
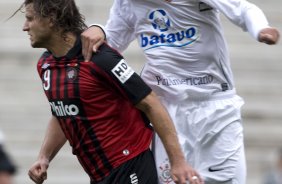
x,y
120,30
53,142
155,111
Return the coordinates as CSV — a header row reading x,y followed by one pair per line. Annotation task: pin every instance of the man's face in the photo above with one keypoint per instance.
x,y
38,28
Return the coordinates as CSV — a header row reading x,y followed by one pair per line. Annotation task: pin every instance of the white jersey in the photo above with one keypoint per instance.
x,y
183,42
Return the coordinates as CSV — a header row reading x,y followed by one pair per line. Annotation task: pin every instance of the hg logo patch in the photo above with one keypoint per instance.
x,y
122,71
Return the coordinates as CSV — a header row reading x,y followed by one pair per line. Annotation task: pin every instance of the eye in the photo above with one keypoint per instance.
x,y
29,18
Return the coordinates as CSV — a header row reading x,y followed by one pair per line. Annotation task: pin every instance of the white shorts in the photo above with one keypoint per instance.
x,y
211,136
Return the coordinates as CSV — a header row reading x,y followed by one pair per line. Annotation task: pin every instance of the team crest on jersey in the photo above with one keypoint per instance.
x,y
159,20
164,35
165,176
71,73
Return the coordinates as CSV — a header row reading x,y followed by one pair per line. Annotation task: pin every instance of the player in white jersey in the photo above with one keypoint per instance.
x,y
188,67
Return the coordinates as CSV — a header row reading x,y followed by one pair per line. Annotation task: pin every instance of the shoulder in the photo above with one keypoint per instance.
x,y
106,57
42,60
44,56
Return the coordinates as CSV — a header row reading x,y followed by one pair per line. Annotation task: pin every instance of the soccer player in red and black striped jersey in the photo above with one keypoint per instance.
x,y
101,107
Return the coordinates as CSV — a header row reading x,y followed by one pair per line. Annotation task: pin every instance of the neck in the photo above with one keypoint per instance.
x,y
60,46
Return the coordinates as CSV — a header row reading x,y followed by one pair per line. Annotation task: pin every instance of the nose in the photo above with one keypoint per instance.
x,y
25,27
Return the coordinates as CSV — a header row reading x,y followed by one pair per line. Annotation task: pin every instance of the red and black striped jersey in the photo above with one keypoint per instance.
x,y
95,105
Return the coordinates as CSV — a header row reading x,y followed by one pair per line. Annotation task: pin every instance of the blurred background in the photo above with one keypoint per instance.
x,y
24,111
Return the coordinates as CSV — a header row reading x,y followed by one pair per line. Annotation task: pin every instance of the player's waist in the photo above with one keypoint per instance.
x,y
194,93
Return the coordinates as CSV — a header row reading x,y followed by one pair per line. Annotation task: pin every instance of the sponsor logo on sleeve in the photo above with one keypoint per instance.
x,y
122,71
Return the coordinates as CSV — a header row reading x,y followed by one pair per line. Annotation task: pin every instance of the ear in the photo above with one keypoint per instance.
x,y
51,21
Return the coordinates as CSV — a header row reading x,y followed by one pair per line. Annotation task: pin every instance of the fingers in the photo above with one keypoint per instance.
x,y
89,46
179,180
85,47
97,44
269,36
190,177
91,39
38,174
195,179
89,51
37,177
268,39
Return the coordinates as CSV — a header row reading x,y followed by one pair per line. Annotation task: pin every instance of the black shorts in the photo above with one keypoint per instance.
x,y
139,170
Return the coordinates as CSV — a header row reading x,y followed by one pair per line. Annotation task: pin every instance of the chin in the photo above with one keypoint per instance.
x,y
35,45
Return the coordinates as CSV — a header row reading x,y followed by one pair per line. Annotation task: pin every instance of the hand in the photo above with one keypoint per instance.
x,y
38,171
91,40
269,36
182,172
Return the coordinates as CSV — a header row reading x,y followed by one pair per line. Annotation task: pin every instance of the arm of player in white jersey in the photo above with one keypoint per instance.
x,y
120,25
119,30
242,13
